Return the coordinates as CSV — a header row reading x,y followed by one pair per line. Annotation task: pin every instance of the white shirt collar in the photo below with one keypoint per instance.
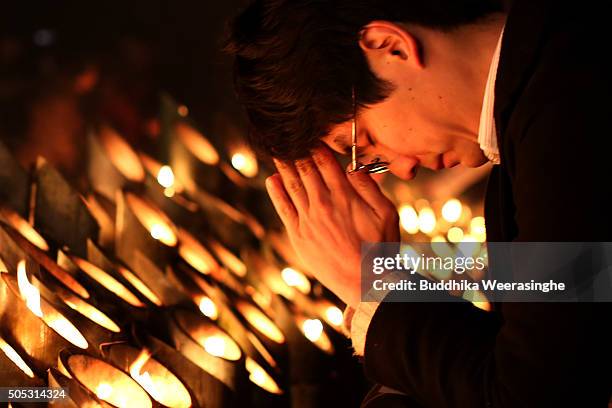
x,y
487,133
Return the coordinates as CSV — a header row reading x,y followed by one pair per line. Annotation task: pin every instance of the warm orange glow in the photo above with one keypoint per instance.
x,y
409,219
427,220
164,175
24,228
230,260
153,220
296,279
246,163
121,155
140,286
194,253
107,281
477,229
455,234
260,322
313,331
260,377
108,383
52,318
182,110
90,312
167,389
451,210
478,299
29,292
208,308
197,144
334,315
15,358
219,344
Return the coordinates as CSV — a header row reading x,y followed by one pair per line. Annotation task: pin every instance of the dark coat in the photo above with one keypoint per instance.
x,y
554,123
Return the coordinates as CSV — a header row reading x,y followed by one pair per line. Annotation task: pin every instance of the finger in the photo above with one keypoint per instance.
x,y
330,169
313,182
281,201
293,185
370,192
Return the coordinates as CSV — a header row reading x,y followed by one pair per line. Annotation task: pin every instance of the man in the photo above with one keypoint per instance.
x,y
437,84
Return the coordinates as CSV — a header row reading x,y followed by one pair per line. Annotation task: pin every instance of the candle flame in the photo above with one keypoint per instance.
x,y
313,329
260,377
194,253
245,163
409,219
144,379
215,345
451,210
153,220
104,390
334,315
165,177
296,279
122,155
91,312
208,307
427,220
29,293
261,322
140,286
230,260
24,228
15,358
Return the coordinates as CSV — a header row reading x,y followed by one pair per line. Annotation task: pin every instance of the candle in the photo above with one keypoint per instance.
x,y
52,318
121,155
296,280
427,220
140,286
260,321
245,162
197,143
260,377
208,307
107,281
153,220
24,228
158,381
89,311
12,355
107,382
194,253
313,331
163,174
231,261
451,210
409,219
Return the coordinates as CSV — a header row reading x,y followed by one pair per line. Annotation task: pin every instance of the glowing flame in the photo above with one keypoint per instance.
x,y
195,254
15,358
215,345
296,279
140,286
104,391
427,220
24,228
122,155
261,322
153,220
409,219
107,281
91,313
165,177
208,307
197,144
260,377
334,315
455,234
29,293
313,329
144,379
477,229
451,210
230,260
245,163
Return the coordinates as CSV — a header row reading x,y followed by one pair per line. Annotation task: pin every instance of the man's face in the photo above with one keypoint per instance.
x,y
431,117
409,132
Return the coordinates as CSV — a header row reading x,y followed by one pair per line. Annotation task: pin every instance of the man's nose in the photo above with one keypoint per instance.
x,y
404,167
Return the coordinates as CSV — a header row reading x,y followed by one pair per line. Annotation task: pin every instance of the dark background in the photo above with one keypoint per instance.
x,y
66,63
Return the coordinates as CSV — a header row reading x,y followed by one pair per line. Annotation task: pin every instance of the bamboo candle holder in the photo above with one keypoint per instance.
x,y
14,183
112,164
60,214
14,367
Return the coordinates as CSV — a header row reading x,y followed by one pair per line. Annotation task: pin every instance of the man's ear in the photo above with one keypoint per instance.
x,y
390,42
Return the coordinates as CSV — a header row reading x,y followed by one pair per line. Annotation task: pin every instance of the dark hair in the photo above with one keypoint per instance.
x,y
296,61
